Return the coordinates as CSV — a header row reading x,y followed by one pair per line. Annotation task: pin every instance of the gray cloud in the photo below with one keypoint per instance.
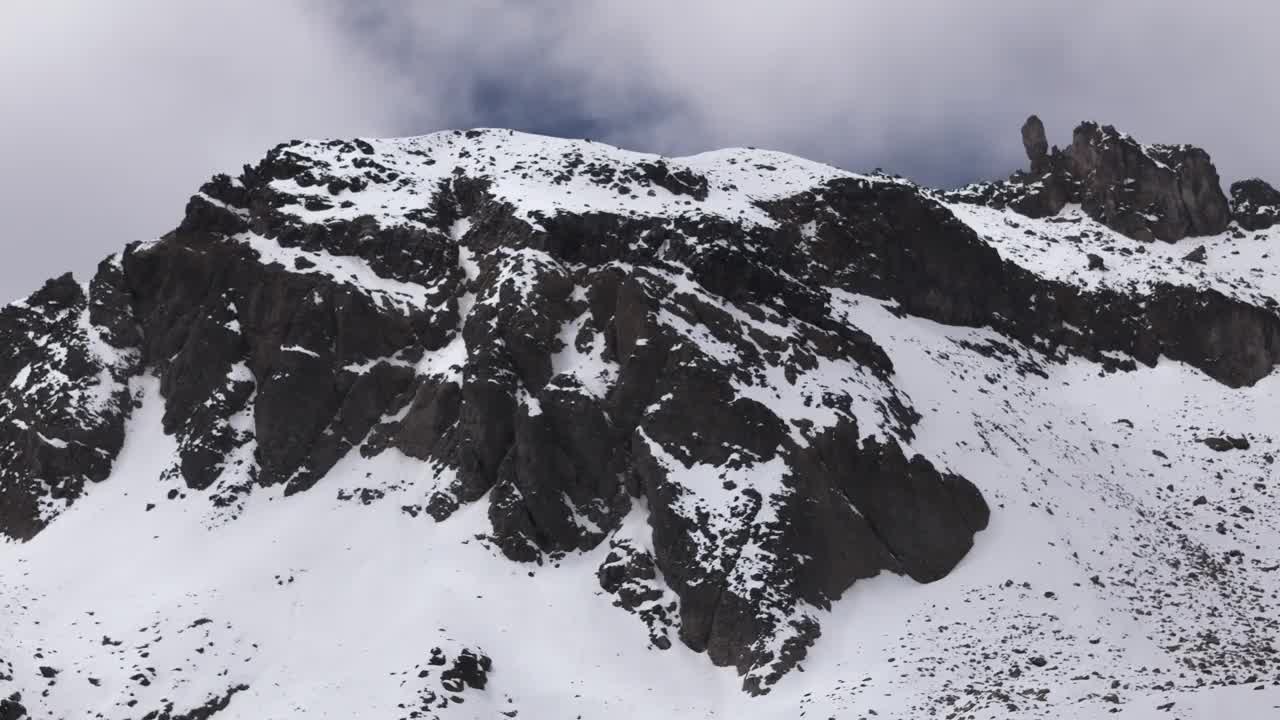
x,y
113,113
933,88
119,110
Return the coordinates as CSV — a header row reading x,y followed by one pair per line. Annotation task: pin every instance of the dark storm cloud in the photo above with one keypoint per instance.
x,y
112,113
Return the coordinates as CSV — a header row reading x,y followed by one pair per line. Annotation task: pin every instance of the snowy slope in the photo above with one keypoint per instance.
x,y
1128,565
542,174
1236,263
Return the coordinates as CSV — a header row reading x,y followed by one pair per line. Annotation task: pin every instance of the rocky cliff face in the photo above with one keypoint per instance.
x,y
1146,192
571,337
1255,204
64,364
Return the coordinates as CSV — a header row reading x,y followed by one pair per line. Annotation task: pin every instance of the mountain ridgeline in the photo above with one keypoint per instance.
x,y
569,336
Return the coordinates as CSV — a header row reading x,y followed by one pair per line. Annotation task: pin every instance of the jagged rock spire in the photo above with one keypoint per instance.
x,y
1037,147
1147,192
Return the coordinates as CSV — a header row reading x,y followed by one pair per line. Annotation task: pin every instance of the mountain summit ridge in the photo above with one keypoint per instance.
x,y
711,378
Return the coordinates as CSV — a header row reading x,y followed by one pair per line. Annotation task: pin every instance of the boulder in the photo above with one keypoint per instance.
x,y
1147,192
1255,205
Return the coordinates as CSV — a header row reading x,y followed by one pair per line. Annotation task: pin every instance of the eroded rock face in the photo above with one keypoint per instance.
x,y
1255,204
270,367
64,396
1147,192
1159,192
209,709
12,709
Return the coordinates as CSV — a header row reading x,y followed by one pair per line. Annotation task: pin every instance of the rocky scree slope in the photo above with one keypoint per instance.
x,y
570,336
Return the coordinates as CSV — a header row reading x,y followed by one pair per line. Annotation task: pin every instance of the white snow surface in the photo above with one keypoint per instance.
x,y
524,168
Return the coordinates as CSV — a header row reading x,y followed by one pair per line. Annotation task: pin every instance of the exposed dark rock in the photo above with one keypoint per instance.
x,y
1036,145
1036,196
231,335
871,238
366,398
63,400
1147,192
630,575
843,495
560,488
469,669
1255,204
1160,192
12,709
1223,444
898,497
110,306
1196,256
282,345
433,412
210,708
446,682
678,182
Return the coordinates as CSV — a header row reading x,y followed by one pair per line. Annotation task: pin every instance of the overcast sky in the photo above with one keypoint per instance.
x,y
113,113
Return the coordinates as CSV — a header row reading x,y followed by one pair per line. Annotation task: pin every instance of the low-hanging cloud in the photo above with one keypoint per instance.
x,y
120,109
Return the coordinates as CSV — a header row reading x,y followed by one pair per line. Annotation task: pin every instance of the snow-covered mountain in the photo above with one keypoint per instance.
x,y
485,424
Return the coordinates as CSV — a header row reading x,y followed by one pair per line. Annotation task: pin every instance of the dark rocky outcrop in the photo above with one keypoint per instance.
x,y
11,708
1197,255
1223,444
677,182
1255,204
1159,192
571,369
560,461
891,241
446,682
1147,192
631,576
210,708
230,333
469,669
1036,145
